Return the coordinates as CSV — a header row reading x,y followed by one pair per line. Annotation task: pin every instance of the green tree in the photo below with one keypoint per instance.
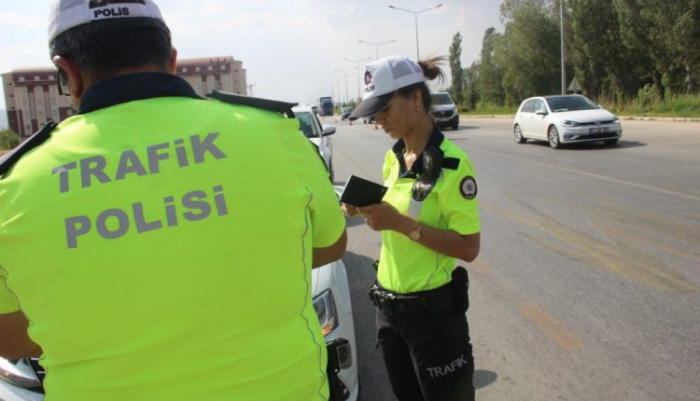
x,y
604,65
675,26
528,52
471,86
456,90
8,139
490,83
667,31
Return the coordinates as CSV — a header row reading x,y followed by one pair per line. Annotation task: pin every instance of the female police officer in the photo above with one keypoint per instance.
x,y
428,219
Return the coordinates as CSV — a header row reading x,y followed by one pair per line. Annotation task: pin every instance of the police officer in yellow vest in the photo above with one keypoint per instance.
x,y
157,245
428,219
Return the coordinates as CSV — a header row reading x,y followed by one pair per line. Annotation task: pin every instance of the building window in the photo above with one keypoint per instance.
x,y
223,67
37,78
21,79
196,69
51,78
210,68
184,70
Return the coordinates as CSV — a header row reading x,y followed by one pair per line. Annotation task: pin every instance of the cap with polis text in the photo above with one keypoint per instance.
x,y
382,79
67,14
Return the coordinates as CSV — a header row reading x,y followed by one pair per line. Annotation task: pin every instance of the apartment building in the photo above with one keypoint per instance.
x,y
32,99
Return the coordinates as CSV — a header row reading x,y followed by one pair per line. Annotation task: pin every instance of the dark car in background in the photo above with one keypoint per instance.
x,y
444,110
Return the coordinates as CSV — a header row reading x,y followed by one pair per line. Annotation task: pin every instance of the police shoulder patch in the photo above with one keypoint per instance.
x,y
468,187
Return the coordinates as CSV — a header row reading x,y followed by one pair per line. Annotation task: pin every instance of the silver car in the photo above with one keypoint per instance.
x,y
565,119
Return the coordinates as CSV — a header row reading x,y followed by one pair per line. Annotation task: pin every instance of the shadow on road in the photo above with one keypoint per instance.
x,y
591,146
460,128
483,378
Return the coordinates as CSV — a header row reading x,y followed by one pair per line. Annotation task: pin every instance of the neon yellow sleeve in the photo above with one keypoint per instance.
x,y
8,301
461,213
326,217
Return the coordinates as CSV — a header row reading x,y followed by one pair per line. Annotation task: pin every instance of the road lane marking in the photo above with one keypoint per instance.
x,y
617,257
480,266
550,326
593,175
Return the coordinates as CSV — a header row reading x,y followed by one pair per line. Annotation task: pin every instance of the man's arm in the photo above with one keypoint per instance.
x,y
330,254
14,341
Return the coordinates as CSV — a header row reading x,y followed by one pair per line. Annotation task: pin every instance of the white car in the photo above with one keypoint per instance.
x,y
318,134
21,380
565,119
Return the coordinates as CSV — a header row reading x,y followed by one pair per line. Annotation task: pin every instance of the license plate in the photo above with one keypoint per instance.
x,y
597,130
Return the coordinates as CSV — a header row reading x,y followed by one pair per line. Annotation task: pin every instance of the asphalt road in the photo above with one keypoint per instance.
x,y
586,287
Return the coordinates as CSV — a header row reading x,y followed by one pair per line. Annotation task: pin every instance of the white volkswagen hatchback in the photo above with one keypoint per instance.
x,y
565,119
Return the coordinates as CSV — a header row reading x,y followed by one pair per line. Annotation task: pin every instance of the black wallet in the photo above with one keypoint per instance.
x,y
361,192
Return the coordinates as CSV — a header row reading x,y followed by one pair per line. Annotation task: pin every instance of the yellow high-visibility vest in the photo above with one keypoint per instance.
x,y
162,249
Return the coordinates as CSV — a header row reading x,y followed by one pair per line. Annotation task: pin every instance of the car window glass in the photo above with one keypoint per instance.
x,y
570,103
306,124
539,106
441,98
529,106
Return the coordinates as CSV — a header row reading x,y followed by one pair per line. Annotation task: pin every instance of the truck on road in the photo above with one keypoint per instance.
x,y
326,106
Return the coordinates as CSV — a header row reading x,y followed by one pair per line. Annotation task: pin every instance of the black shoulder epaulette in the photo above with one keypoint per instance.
x,y
451,163
265,104
11,158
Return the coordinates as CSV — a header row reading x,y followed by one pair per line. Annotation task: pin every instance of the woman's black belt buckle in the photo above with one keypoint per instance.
x,y
413,304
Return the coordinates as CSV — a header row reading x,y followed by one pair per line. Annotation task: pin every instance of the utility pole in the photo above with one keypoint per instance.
x,y
563,54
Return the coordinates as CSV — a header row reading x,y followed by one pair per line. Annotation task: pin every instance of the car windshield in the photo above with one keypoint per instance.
x,y
306,123
560,104
441,98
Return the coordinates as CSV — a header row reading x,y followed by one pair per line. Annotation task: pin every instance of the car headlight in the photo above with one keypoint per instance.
x,y
324,305
19,373
616,119
569,123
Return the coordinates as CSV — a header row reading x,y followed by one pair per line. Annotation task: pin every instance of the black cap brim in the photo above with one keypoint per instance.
x,y
371,106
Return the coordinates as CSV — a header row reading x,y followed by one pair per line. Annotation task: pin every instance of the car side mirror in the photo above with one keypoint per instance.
x,y
328,130
541,112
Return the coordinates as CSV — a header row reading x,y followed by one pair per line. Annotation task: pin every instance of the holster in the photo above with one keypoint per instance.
x,y
460,289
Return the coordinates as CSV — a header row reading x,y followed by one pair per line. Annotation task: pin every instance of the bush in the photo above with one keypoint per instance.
x,y
648,98
8,139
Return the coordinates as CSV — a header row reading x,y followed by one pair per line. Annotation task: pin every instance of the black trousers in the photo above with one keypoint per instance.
x,y
427,357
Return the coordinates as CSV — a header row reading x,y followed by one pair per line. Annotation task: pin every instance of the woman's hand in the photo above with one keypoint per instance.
x,y
349,210
382,216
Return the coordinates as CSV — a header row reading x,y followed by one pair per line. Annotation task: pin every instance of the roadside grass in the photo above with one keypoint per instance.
x,y
491,111
679,106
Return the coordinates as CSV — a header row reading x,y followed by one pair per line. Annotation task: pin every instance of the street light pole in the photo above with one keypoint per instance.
x,y
377,45
415,14
347,95
336,81
563,56
357,65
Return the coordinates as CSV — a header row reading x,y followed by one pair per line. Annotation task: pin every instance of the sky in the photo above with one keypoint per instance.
x,y
293,50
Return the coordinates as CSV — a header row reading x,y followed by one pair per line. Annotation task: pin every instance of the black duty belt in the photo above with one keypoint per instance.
x,y
412,304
